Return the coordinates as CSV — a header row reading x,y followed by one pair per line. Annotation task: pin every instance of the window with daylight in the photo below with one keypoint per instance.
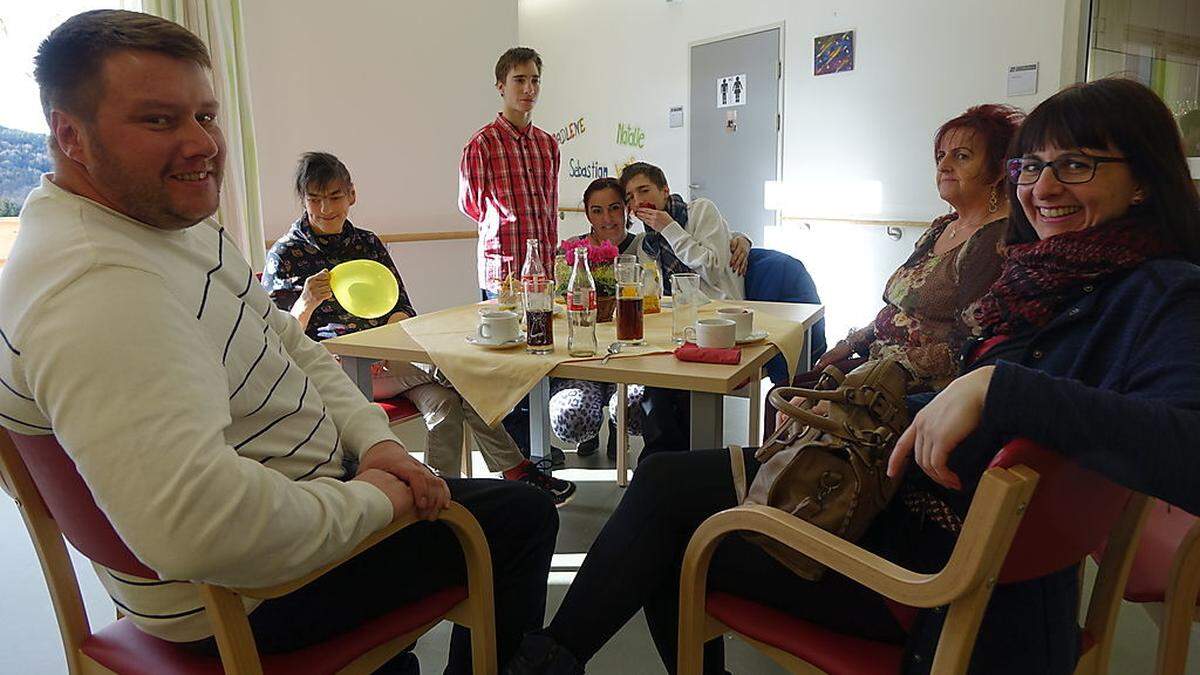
x,y
23,157
1158,43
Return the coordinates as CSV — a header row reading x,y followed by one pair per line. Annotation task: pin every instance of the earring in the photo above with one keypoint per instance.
x,y
994,200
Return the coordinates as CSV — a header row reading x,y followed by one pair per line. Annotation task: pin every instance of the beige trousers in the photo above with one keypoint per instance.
x,y
445,413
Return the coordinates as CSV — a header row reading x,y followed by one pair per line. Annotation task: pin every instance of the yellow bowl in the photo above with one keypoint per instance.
x,y
364,288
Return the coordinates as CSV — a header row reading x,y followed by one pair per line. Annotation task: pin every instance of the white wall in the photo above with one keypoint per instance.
x,y
918,63
394,89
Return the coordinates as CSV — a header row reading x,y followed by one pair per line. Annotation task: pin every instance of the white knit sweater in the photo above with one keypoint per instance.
x,y
209,429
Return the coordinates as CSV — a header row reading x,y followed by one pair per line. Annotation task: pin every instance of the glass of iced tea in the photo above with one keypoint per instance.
x,y
539,315
629,303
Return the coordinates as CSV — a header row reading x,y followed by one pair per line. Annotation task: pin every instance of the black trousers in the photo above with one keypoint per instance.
x,y
520,524
666,421
635,564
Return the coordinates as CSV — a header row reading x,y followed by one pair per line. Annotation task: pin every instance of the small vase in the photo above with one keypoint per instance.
x,y
605,304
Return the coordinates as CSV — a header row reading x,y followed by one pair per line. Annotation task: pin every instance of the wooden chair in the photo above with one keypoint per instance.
x,y
1066,518
1166,569
55,503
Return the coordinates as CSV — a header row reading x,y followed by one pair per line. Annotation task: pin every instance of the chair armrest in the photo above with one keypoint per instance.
x,y
460,521
992,521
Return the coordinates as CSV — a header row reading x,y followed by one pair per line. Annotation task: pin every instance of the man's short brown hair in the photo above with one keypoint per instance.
x,y
68,62
652,173
515,57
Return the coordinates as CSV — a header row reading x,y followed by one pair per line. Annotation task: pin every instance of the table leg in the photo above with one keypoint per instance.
x,y
755,409
707,420
622,432
359,370
806,355
539,420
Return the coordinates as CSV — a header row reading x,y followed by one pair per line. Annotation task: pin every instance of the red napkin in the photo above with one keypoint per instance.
x,y
690,352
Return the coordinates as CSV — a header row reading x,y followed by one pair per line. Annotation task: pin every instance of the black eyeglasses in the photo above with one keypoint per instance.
x,y
1071,169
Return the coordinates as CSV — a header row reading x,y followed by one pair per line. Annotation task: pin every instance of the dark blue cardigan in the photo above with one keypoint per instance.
x,y
1114,382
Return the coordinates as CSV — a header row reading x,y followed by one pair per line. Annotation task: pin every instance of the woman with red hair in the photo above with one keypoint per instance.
x,y
955,261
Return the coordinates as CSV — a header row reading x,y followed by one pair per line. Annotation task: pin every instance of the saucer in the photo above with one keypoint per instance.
x,y
496,344
753,337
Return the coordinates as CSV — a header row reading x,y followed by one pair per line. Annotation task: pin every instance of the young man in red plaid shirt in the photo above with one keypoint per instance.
x,y
508,184
508,179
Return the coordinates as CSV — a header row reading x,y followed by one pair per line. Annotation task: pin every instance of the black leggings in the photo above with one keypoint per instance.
x,y
520,524
635,564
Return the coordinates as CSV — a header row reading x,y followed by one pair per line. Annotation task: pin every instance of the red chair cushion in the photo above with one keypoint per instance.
x,y
398,409
123,648
835,653
1165,528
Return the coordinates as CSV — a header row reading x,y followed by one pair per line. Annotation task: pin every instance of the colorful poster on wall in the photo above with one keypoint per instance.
x,y
731,90
833,53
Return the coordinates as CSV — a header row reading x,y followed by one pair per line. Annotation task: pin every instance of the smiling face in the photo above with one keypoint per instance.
x,y
152,150
1053,207
962,177
328,206
521,87
641,192
606,212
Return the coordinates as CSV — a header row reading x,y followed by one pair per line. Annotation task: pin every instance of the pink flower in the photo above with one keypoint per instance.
x,y
598,254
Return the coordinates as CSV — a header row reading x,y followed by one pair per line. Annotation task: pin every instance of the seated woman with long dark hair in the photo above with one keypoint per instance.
x,y
1091,335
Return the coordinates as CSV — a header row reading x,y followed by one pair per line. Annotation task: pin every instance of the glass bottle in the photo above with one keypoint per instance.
x,y
533,268
581,308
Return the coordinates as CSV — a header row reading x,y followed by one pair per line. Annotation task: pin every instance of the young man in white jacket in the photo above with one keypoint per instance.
x,y
223,445
682,236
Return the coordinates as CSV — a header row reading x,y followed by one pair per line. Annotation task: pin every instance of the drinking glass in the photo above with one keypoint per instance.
x,y
685,300
629,303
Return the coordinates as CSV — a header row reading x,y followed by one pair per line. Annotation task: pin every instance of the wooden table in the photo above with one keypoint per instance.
x,y
708,383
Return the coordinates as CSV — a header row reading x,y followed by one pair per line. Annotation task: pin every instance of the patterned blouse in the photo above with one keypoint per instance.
x,y
923,323
301,253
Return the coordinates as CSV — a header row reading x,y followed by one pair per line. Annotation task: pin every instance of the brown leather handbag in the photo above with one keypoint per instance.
x,y
830,470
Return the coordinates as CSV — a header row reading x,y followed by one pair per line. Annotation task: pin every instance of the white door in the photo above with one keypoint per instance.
x,y
735,126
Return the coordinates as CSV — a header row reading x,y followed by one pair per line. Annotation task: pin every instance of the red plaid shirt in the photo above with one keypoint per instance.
x,y
508,183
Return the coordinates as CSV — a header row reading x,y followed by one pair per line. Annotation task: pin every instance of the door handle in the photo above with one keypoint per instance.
x,y
695,186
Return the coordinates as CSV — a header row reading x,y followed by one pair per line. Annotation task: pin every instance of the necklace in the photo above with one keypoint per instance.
x,y
955,230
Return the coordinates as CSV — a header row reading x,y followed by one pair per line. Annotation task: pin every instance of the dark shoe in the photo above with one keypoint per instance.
x,y
539,654
612,441
561,491
588,448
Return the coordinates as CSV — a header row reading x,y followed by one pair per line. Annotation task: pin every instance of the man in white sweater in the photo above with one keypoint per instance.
x,y
682,236
223,444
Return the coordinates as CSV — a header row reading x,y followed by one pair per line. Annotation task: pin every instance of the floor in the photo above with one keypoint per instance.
x,y
30,643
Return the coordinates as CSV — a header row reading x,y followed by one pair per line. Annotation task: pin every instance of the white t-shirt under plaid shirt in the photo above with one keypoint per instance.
x,y
508,184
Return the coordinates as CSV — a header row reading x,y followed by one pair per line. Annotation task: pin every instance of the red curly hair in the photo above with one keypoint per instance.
x,y
996,124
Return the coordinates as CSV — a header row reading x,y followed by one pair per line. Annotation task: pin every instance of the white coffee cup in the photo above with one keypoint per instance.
x,y
743,317
498,326
718,333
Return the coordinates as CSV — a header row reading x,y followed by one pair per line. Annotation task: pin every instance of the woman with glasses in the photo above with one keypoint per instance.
x,y
1092,331
954,262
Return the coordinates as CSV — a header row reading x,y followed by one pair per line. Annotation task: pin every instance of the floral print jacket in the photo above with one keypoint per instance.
x,y
301,253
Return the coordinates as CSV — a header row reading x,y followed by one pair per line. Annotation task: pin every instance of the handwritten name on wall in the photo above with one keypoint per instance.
x,y
570,131
634,137
580,169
